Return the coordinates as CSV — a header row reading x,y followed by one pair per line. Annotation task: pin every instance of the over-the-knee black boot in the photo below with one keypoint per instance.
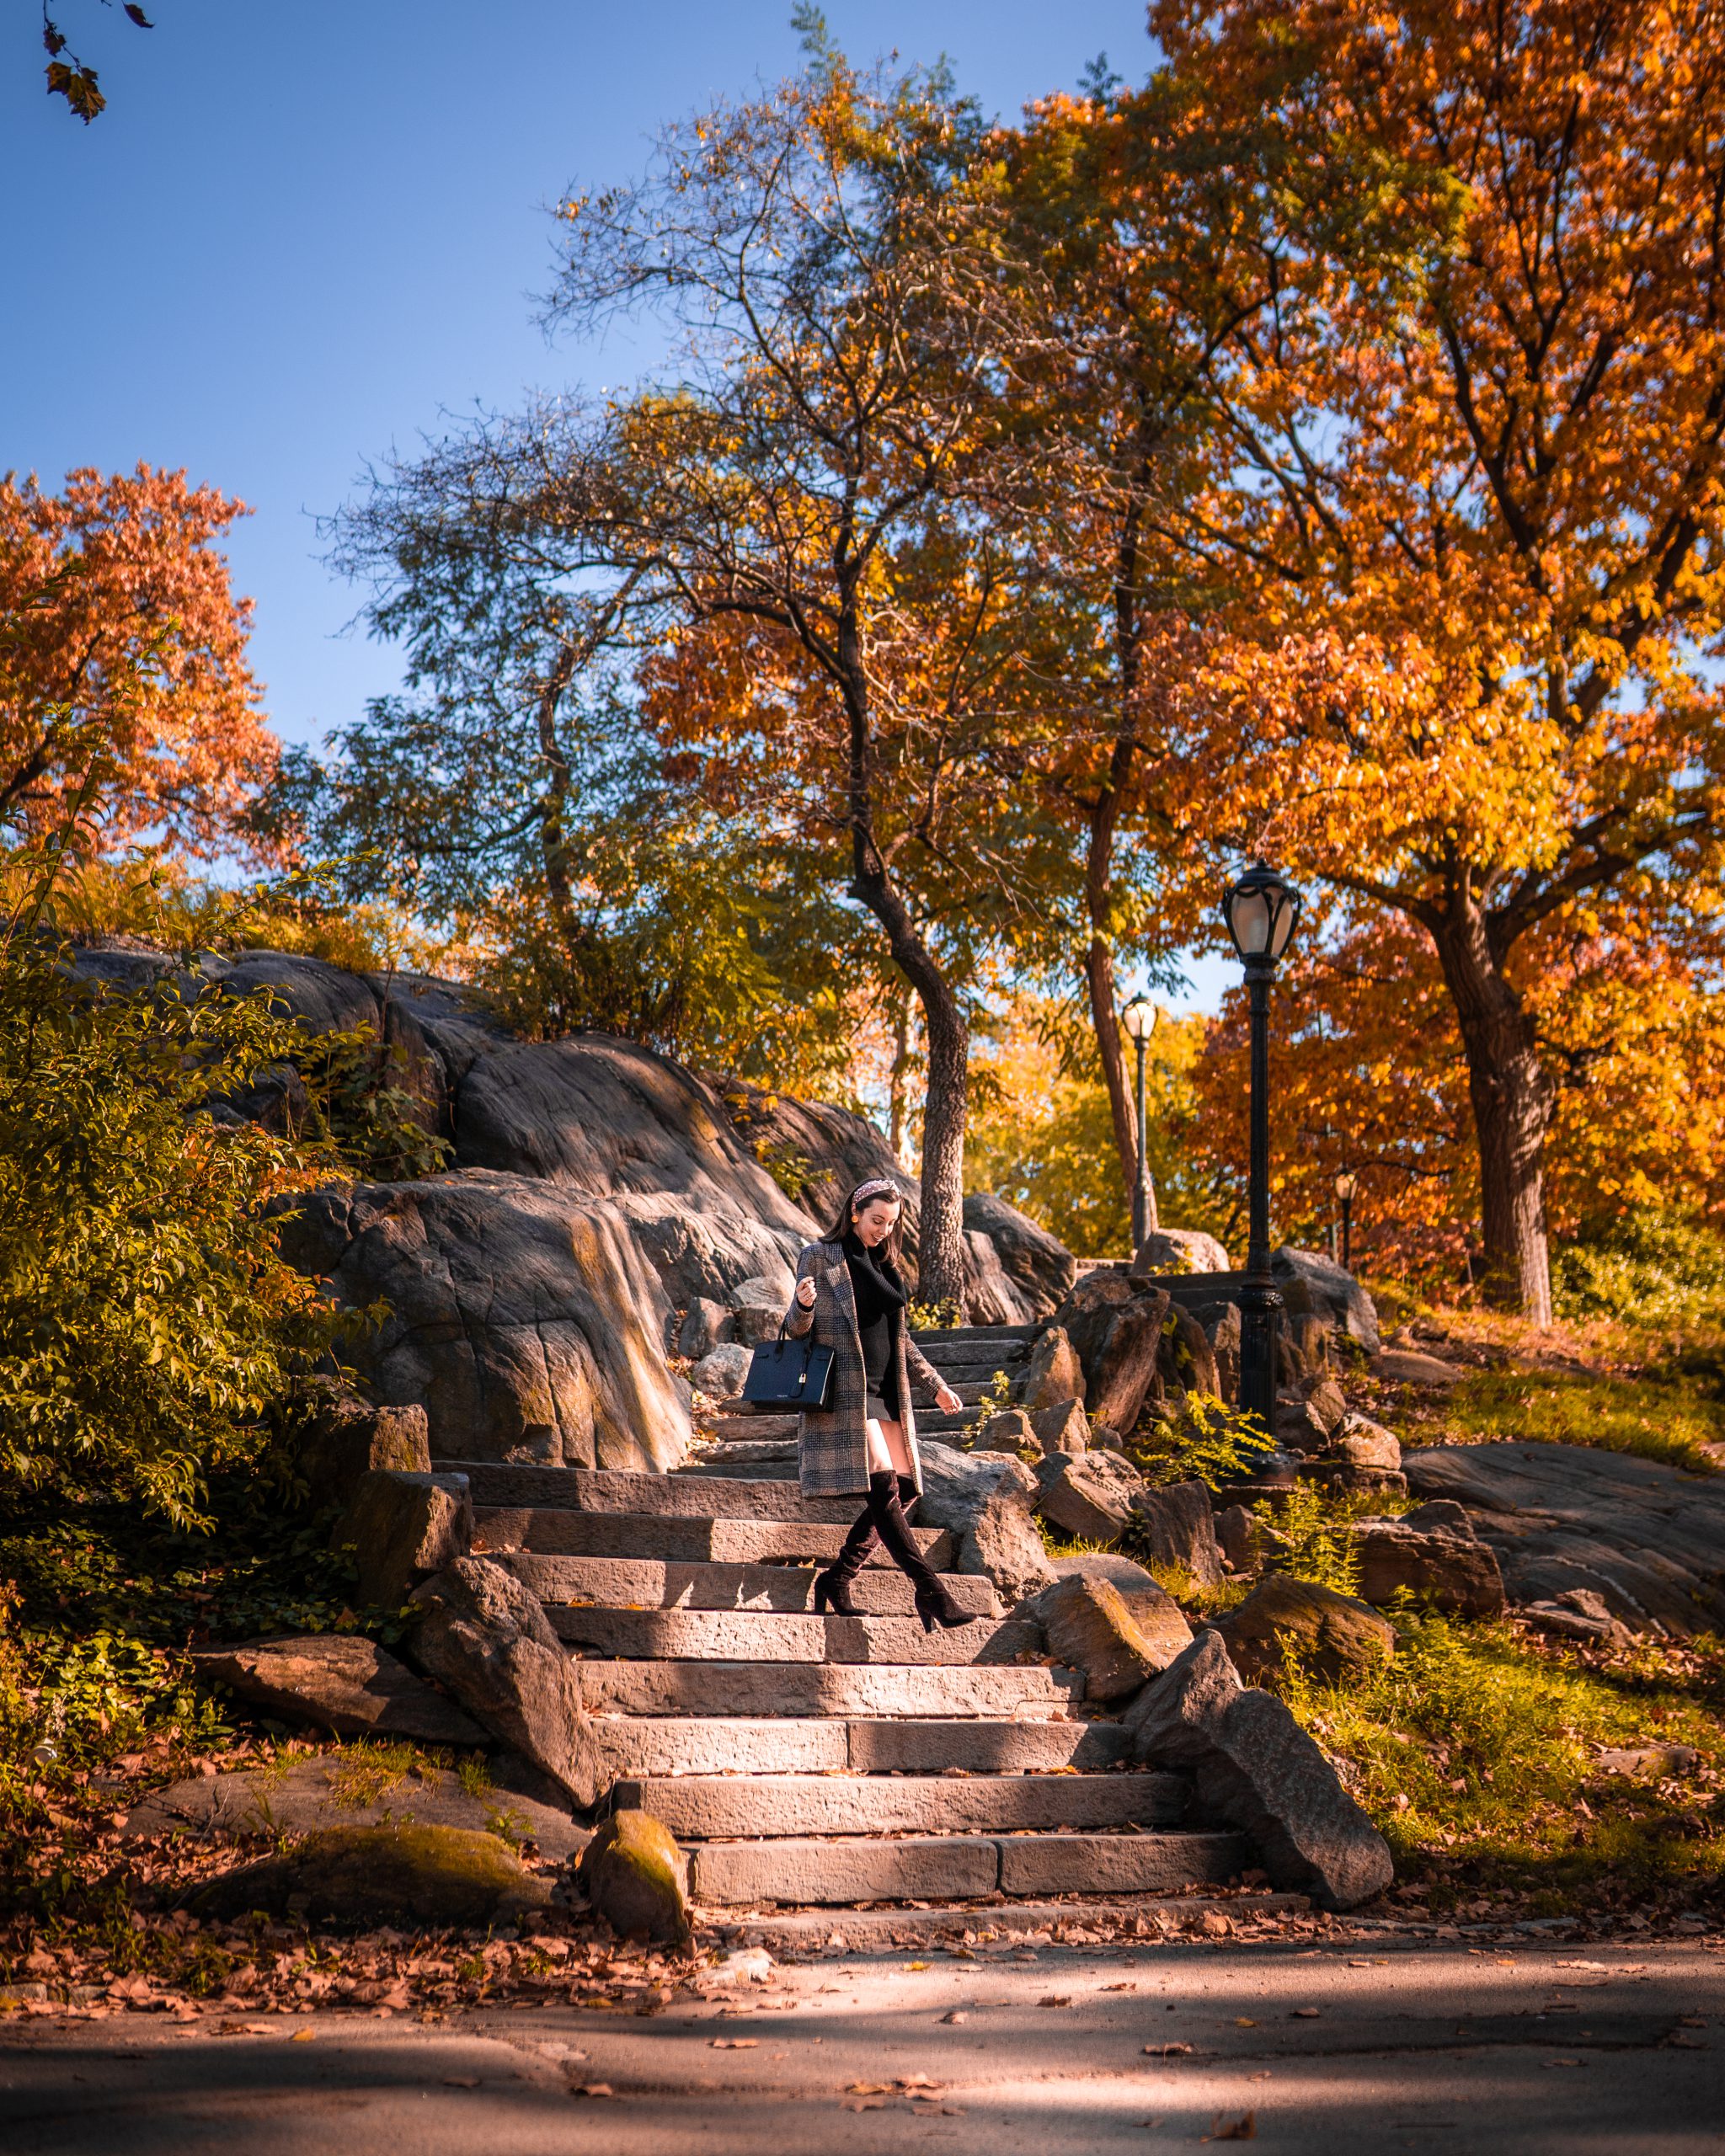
x,y
934,1605
832,1588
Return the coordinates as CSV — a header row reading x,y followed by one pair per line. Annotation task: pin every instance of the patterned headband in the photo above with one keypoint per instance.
x,y
879,1188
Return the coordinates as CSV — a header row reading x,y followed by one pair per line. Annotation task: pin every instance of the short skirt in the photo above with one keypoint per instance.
x,y
876,1410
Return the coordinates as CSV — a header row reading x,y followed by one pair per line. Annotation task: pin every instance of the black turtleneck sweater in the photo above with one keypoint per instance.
x,y
880,1301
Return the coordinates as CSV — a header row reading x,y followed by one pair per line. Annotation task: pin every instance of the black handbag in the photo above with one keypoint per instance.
x,y
789,1374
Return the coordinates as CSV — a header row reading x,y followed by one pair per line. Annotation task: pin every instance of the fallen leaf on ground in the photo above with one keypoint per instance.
x,y
1561,2062
460,2081
1244,2021
1169,2051
955,2018
1244,2128
1304,2013
866,2089
734,2043
592,2088
1056,1998
301,2036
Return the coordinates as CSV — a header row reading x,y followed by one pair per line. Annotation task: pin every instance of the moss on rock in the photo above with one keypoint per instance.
x,y
636,1876
364,1876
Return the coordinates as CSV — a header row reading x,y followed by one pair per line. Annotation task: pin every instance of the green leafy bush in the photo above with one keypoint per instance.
x,y
1649,1269
147,1319
1198,1438
1314,1538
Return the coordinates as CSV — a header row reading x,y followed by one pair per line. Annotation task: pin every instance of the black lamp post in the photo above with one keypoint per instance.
x,y
1139,1019
1260,910
1346,1184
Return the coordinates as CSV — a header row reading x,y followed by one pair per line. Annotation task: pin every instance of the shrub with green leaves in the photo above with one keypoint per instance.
x,y
1198,1438
147,1319
1647,1268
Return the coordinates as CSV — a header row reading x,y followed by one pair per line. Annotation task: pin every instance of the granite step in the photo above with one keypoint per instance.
x,y
1029,1693
787,1745
831,1871
498,1483
653,1583
559,1531
776,1429
707,1807
973,1336
762,1636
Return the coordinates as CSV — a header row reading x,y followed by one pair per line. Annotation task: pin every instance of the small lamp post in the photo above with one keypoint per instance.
x,y
1139,1018
1260,910
1346,1184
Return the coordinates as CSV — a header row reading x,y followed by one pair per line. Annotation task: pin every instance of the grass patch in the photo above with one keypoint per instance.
x,y
1667,1412
1475,1752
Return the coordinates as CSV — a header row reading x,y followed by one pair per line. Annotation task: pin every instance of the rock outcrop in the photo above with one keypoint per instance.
x,y
1646,1538
522,1314
1439,1564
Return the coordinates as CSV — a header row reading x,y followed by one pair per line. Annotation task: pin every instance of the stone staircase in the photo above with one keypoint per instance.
x,y
808,1761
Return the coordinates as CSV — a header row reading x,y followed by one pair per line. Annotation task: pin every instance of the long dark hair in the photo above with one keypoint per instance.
x,y
892,1244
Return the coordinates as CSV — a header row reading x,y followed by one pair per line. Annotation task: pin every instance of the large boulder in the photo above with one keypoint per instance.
x,y
343,1438
1185,1360
1173,1527
1437,1563
1357,1441
336,1681
482,1634
1147,1602
1054,1373
1015,1271
1253,1766
1333,1637
1089,1626
1063,1427
1115,1325
403,1526
1087,1495
1179,1250
637,1878
984,1499
415,1878
1314,1285
520,1313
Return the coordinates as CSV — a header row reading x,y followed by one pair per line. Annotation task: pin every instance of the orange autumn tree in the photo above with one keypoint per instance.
x,y
1470,406
122,642
1637,1040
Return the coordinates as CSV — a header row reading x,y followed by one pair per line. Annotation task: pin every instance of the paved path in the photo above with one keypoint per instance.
x,y
1569,2050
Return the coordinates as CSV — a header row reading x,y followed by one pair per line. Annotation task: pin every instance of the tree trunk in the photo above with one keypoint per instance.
x,y
1512,1094
898,1123
946,1032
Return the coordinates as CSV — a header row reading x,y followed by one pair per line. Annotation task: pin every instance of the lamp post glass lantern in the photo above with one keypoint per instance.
x,y
1139,1019
1260,909
1347,1183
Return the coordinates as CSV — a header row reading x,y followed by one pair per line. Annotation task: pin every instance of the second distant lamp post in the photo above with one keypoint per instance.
x,y
1260,910
1139,1019
1346,1184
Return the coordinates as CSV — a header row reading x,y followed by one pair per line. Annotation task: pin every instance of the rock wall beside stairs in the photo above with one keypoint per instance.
x,y
595,1191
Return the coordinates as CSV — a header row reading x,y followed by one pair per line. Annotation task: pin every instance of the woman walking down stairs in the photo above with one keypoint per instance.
x,y
823,1759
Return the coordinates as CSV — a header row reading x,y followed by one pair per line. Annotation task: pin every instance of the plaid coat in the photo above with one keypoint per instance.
x,y
832,1445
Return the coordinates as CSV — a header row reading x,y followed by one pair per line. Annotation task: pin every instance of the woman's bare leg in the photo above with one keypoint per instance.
x,y
887,1452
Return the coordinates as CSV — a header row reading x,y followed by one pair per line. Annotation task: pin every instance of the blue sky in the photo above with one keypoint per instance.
x,y
300,230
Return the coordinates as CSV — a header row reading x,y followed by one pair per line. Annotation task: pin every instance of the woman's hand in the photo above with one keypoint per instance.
x,y
946,1399
805,1294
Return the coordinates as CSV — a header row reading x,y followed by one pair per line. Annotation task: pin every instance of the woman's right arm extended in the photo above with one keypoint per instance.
x,y
801,1314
